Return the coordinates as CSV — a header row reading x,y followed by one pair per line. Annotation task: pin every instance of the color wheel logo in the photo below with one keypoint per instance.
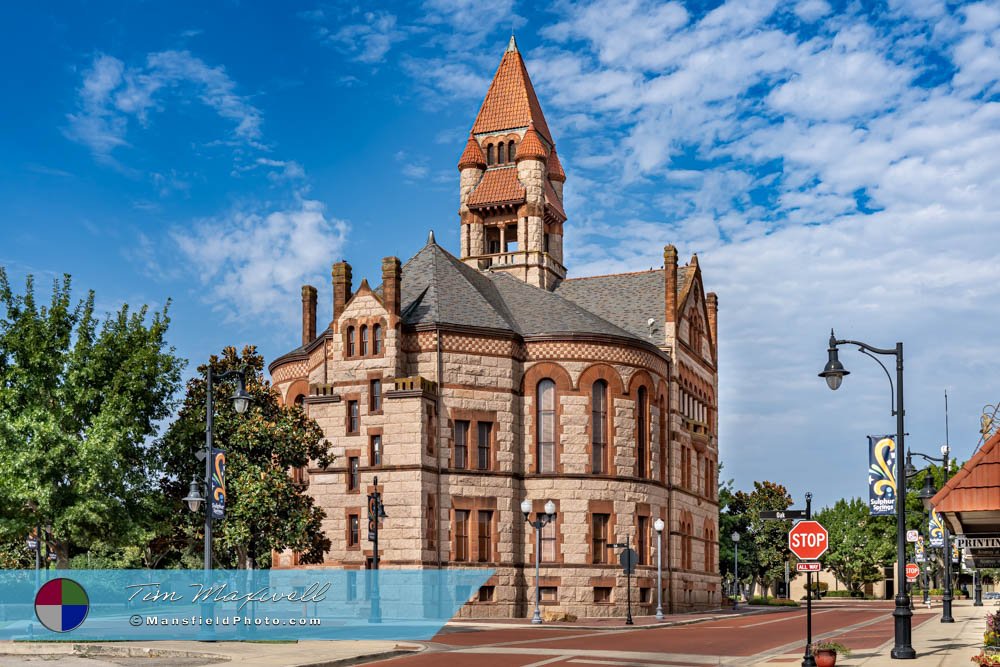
x,y
61,605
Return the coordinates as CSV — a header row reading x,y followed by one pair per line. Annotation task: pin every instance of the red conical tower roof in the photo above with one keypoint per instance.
x,y
531,146
556,172
511,101
472,156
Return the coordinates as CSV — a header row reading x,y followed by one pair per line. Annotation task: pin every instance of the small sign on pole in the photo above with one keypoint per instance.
x,y
912,535
808,566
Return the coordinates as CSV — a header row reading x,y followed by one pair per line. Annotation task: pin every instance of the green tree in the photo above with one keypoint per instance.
x,y
860,545
79,403
265,508
763,548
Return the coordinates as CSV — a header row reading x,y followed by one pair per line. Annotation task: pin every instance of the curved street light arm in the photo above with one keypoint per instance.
x,y
876,350
892,387
932,459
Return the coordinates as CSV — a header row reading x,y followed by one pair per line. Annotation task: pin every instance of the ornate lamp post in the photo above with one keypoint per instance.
x,y
925,495
736,569
541,520
241,400
834,373
658,526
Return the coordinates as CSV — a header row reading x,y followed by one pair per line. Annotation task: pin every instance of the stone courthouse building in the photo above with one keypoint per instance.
x,y
468,382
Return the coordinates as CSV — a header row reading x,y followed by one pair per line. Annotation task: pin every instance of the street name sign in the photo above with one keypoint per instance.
x,y
782,515
912,535
808,566
912,571
808,540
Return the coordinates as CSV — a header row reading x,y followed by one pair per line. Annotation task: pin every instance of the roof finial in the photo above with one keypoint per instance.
x,y
430,238
512,44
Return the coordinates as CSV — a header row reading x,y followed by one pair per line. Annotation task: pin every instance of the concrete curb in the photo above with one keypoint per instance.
x,y
559,625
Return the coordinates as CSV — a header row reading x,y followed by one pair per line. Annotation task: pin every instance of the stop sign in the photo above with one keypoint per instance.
x,y
912,571
808,540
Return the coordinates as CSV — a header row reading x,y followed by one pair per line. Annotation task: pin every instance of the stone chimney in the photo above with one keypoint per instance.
x,y
670,283
341,288
308,314
712,300
392,277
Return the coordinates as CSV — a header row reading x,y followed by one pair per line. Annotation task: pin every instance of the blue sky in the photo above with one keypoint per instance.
x,y
832,164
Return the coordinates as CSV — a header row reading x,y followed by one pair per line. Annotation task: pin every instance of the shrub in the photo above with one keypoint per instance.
x,y
774,602
838,594
831,646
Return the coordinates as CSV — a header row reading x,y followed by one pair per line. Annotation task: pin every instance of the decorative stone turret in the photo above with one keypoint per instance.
x,y
712,301
471,166
556,174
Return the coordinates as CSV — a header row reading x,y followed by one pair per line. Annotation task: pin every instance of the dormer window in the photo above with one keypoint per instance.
x,y
490,158
510,151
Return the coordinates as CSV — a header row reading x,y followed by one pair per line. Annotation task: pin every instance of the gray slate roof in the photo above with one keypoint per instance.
x,y
438,288
627,299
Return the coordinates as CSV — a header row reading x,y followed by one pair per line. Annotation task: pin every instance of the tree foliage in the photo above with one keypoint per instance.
x,y
79,401
860,545
265,509
763,546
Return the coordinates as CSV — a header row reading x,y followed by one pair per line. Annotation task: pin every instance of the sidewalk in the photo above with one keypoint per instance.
x,y
937,644
182,653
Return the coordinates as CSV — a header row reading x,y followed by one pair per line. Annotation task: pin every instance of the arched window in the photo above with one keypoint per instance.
x,y
377,339
501,153
642,433
350,341
599,427
510,150
546,420
299,400
489,154
364,341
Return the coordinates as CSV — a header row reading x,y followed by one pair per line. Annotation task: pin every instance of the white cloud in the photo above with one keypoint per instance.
x,y
112,94
811,10
253,263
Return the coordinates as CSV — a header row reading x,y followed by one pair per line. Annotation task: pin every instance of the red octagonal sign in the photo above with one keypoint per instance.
x,y
808,540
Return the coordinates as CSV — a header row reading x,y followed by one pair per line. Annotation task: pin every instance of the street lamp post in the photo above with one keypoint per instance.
x,y
834,373
925,496
376,512
978,588
241,400
736,569
927,585
541,520
658,526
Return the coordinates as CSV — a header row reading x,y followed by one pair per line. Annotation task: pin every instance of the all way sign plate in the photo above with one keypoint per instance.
x,y
811,566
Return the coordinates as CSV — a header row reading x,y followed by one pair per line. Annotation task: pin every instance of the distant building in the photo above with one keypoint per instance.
x,y
468,383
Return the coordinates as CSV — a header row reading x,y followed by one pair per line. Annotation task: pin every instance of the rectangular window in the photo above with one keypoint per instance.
x,y
602,594
375,396
546,412
353,538
430,430
485,430
642,540
353,483
487,593
375,450
549,542
599,537
485,536
461,535
352,585
645,595
599,427
549,593
353,417
461,453
431,523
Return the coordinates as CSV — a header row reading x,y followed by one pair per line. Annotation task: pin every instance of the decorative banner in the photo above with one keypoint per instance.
x,y
920,549
936,529
218,497
955,555
881,475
